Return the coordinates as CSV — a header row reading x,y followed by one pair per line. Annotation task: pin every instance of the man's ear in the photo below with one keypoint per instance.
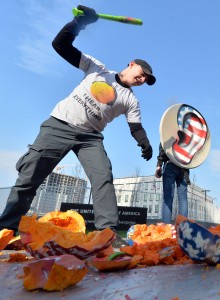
x,y
131,64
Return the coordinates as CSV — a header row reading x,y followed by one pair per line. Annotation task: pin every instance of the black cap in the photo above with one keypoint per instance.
x,y
147,70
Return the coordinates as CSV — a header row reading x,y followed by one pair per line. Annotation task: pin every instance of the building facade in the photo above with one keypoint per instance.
x,y
140,191
58,188
147,191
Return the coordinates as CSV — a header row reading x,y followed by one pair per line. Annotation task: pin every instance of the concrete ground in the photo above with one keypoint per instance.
x,y
184,282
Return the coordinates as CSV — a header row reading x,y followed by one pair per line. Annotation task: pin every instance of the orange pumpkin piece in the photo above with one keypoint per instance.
x,y
106,252
40,236
17,257
135,260
5,237
151,253
151,258
180,218
215,230
102,264
54,273
70,220
15,244
44,229
169,260
146,233
178,253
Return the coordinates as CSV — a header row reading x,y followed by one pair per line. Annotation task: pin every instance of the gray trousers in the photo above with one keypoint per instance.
x,y
55,140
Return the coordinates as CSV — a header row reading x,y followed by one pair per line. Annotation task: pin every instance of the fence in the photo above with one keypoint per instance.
x,y
130,198
43,204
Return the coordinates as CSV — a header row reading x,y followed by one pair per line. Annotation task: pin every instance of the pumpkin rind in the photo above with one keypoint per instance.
x,y
44,239
54,273
80,250
102,264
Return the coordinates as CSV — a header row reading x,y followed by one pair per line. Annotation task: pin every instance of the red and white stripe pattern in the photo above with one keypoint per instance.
x,y
193,131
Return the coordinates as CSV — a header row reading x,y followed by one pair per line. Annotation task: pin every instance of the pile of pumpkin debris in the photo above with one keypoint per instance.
x,y
62,253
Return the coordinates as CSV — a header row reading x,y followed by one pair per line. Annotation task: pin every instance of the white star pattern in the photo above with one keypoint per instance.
x,y
217,250
193,253
199,248
186,230
200,241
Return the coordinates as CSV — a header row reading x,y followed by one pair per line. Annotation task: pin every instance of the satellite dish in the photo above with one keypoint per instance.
x,y
185,136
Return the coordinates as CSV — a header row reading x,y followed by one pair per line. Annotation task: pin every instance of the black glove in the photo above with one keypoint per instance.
x,y
147,151
158,172
89,17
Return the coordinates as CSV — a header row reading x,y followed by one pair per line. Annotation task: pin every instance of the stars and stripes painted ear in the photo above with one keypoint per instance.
x,y
185,136
192,134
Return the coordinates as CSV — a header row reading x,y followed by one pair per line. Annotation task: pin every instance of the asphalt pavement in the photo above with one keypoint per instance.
x,y
163,282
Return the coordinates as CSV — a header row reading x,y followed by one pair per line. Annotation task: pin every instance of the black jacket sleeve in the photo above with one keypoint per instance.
x,y
62,43
139,134
162,157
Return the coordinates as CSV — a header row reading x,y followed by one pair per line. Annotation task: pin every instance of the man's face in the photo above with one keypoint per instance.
x,y
136,76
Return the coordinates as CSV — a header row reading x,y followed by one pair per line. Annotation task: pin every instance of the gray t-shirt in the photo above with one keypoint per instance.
x,y
97,100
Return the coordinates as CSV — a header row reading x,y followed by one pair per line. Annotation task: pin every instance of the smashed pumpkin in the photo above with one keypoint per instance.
x,y
103,264
154,244
46,238
153,253
70,220
142,233
43,229
54,273
179,219
215,230
15,244
5,237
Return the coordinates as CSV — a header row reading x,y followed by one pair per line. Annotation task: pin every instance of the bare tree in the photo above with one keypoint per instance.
x,y
137,172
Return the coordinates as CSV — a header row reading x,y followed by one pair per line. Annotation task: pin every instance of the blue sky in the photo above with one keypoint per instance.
x,y
180,39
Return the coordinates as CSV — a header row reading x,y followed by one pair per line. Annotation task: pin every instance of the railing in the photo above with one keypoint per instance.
x,y
132,198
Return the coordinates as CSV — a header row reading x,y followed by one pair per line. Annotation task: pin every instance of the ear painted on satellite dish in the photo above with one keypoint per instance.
x,y
192,134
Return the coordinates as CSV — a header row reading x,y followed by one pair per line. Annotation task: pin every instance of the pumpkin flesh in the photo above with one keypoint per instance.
x,y
5,236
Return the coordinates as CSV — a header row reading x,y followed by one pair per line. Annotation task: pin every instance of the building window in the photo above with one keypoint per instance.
x,y
157,197
146,197
156,209
153,186
150,209
152,197
138,197
157,185
146,185
126,198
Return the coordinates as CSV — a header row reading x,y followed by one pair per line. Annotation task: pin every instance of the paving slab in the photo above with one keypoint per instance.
x,y
187,282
